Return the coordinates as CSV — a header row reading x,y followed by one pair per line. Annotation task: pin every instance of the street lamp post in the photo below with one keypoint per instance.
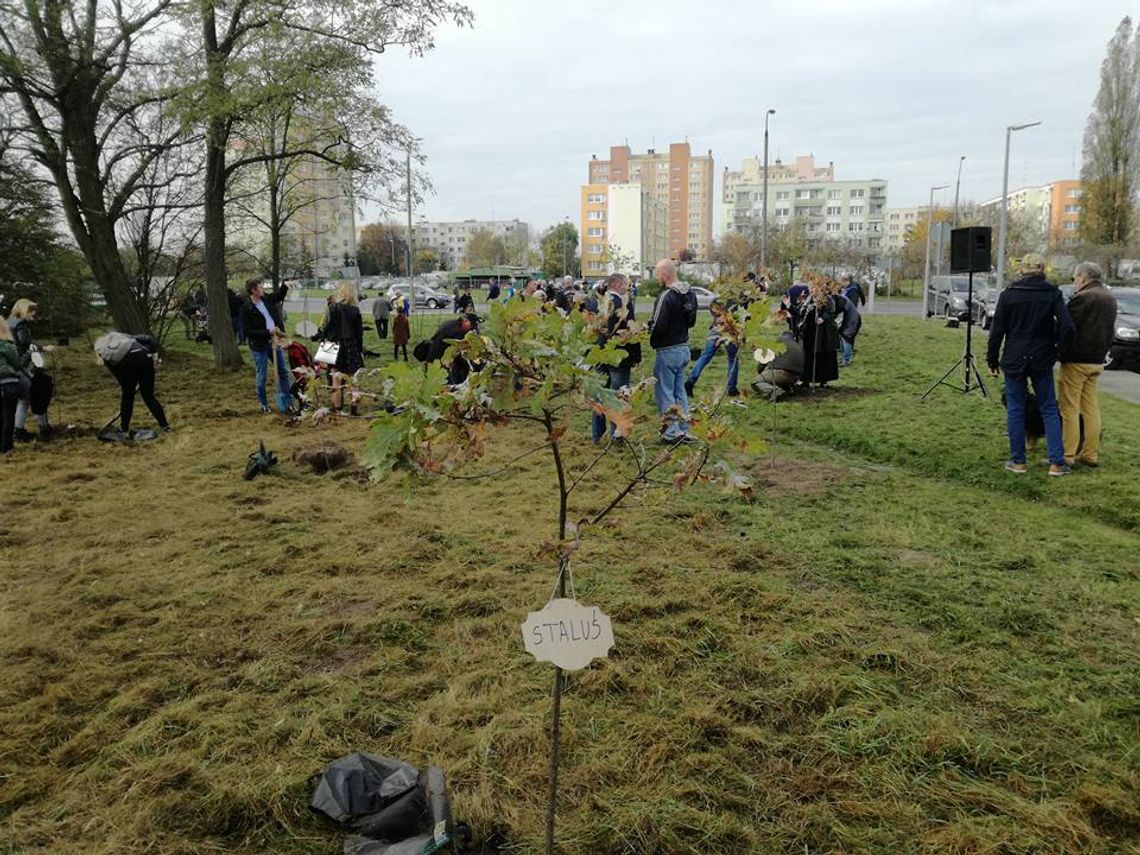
x,y
411,269
764,210
1004,199
926,263
957,187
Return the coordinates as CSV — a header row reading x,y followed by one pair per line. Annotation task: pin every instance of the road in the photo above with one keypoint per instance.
x,y
1122,384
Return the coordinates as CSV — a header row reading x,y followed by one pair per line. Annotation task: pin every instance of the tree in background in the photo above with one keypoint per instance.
x,y
1109,174
35,265
560,251
221,96
484,249
738,252
427,260
386,246
89,81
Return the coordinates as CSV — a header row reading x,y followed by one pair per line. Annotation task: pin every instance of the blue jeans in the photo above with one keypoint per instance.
x,y
618,377
669,372
1016,395
706,357
284,378
846,350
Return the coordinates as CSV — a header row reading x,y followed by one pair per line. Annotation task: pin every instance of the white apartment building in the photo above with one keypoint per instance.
x,y
897,225
751,173
849,211
625,229
1034,203
449,239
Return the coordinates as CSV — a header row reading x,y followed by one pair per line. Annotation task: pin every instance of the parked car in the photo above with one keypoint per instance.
x,y
949,297
987,305
425,297
704,296
1125,350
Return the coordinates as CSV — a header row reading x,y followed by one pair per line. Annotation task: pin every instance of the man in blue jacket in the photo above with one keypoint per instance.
x,y
1032,320
673,316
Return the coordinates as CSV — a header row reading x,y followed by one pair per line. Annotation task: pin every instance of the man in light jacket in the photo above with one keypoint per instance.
x,y
674,314
1093,310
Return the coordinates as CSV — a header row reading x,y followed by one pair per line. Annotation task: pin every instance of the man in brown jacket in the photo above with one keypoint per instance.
x,y
1093,309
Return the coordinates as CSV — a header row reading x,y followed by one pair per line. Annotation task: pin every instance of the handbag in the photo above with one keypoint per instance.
x,y
327,353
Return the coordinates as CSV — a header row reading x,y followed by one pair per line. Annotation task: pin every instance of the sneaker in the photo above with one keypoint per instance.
x,y
1016,468
265,410
22,435
1057,470
689,388
733,393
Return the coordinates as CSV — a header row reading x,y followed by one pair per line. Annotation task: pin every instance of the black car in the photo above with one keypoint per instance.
x,y
1125,352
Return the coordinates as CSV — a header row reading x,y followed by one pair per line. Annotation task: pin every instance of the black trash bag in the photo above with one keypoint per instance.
x,y
259,462
391,807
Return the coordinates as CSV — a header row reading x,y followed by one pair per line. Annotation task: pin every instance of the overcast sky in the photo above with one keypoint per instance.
x,y
511,110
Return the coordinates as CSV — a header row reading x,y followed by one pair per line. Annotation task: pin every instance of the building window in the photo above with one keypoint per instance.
x,y
833,194
594,249
1072,209
781,195
857,194
832,227
595,215
1070,226
783,212
1073,192
803,194
595,231
834,210
594,198
856,209
854,227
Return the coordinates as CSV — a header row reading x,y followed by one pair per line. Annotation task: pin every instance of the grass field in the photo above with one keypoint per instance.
x,y
896,648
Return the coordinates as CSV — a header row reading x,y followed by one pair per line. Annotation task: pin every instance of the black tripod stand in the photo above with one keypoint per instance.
x,y
971,377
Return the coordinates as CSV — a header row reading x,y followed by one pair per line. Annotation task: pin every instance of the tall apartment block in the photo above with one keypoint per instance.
x,y
849,211
680,180
624,229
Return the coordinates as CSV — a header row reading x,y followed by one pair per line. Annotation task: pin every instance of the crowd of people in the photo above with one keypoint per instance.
x,y
1033,328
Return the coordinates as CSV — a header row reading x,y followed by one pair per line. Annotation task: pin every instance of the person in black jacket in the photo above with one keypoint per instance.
x,y
266,340
453,330
674,314
820,335
1093,310
1032,321
614,306
135,370
345,326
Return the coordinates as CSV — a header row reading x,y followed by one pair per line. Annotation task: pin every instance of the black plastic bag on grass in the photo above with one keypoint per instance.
x,y
391,807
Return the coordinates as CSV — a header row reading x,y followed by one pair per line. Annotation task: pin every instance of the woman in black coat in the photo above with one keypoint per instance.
x,y
820,336
346,328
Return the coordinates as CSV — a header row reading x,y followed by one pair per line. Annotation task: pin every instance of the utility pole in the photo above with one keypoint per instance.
x,y
411,269
764,211
957,187
926,263
1004,200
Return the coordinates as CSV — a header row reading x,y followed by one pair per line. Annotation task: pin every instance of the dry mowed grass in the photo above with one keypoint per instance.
x,y
892,650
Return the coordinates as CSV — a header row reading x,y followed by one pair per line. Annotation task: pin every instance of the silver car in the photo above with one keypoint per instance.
x,y
704,296
425,297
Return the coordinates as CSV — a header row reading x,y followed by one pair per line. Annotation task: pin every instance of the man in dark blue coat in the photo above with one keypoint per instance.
x,y
1032,320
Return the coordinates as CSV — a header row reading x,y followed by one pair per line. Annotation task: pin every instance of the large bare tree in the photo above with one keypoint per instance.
x,y
233,33
84,78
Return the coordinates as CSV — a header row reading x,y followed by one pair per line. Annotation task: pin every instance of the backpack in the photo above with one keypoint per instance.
x,y
114,347
422,351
